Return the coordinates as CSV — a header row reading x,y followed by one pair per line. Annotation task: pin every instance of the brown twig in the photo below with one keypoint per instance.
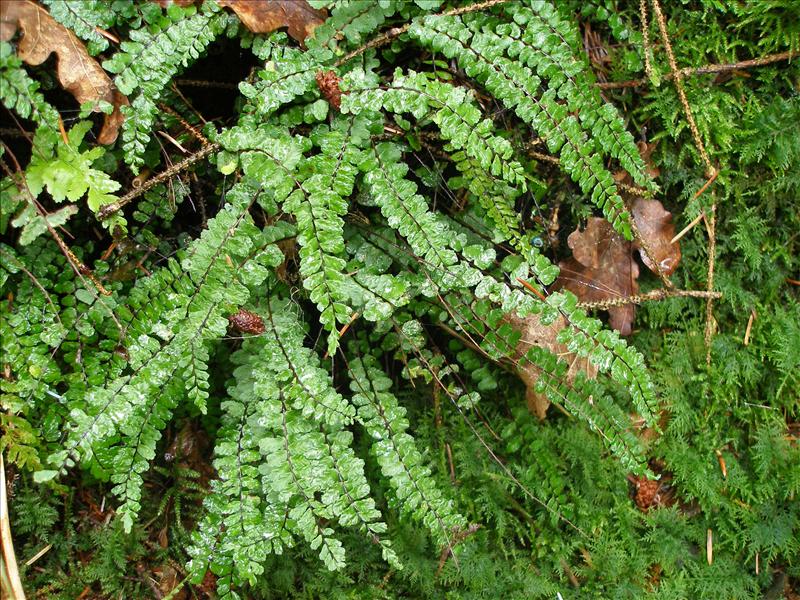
x,y
391,34
678,77
711,173
655,295
458,537
702,215
196,133
711,225
704,70
10,571
221,85
648,69
109,209
749,327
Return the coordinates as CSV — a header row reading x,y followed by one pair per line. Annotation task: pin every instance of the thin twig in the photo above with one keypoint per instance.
x,y
696,220
648,69
221,85
196,133
9,561
655,295
391,34
662,26
749,327
704,70
711,225
686,229
109,209
711,173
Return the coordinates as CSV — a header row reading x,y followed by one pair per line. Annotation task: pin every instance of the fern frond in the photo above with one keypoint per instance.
x,y
289,73
317,202
471,137
353,20
148,61
384,419
21,93
548,44
84,19
161,351
309,473
481,55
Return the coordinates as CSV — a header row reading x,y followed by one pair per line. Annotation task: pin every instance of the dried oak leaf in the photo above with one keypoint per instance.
x,y
656,228
78,72
534,333
601,268
265,16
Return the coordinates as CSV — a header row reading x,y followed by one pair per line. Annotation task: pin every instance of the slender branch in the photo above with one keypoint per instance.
x,y
9,568
705,70
678,76
656,295
389,35
711,226
109,209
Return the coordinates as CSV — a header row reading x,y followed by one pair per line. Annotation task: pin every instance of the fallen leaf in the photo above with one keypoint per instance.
x,y
534,333
656,228
265,16
78,72
602,268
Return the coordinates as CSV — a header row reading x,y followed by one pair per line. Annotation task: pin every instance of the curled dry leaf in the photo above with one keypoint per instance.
x,y
603,268
534,333
656,228
265,16
78,72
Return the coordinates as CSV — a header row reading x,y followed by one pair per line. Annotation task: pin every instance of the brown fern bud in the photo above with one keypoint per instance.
x,y
328,83
247,322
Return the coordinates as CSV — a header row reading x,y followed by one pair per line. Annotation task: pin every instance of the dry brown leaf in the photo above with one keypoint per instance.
x,y
655,226
265,16
78,72
602,268
534,333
